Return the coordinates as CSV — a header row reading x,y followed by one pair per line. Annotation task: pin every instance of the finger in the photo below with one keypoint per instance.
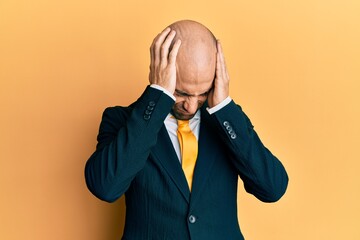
x,y
174,52
158,41
152,49
218,63
166,45
164,32
220,70
221,55
222,61
152,57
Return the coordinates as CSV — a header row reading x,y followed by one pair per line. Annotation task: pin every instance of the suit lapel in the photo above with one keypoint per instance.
x,y
165,154
205,158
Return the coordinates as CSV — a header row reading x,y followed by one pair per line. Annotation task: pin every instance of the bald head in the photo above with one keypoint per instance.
x,y
197,40
196,58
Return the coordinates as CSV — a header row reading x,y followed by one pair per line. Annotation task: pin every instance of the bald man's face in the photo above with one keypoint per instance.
x,y
188,103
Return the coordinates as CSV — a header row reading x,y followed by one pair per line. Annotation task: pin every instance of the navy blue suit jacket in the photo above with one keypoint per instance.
x,y
134,156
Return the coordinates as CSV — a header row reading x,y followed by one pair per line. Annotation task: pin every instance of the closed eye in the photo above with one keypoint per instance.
x,y
204,94
184,94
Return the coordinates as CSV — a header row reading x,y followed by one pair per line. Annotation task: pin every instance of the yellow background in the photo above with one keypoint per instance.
x,y
294,68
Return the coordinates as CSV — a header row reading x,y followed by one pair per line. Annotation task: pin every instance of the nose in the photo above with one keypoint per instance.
x,y
191,105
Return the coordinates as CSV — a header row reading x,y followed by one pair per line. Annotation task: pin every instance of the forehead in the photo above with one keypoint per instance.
x,y
194,79
193,86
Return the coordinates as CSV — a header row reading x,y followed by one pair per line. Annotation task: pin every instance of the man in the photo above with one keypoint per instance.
x,y
176,153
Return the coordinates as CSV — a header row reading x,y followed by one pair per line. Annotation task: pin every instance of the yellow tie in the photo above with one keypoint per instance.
x,y
188,148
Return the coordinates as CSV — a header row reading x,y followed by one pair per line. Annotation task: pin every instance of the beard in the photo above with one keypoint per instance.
x,y
180,113
181,116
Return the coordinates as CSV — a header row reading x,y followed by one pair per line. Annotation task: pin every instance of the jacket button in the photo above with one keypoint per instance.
x,y
226,123
152,103
146,117
233,136
192,219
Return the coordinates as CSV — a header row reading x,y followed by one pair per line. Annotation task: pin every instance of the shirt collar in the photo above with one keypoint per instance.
x,y
196,117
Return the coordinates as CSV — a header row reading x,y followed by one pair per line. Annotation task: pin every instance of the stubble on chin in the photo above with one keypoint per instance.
x,y
181,116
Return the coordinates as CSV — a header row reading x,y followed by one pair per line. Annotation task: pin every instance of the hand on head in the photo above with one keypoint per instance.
x,y
220,90
162,65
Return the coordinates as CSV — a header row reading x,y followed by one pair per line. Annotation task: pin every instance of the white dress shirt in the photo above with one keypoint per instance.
x,y
171,122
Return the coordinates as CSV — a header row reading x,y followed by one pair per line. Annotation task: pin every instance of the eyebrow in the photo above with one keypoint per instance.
x,y
191,95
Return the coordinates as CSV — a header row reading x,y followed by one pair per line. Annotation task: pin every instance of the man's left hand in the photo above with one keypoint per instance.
x,y
220,89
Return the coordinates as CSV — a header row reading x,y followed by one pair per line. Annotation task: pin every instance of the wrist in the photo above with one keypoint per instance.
x,y
153,85
219,106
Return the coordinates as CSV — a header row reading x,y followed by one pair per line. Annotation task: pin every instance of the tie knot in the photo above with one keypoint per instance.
x,y
183,125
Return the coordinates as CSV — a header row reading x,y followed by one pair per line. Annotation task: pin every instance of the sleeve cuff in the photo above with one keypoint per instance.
x,y
216,108
164,90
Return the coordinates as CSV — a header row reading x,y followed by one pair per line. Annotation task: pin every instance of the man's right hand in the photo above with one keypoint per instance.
x,y
162,65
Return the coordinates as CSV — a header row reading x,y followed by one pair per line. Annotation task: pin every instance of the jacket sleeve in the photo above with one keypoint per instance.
x,y
125,138
262,173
